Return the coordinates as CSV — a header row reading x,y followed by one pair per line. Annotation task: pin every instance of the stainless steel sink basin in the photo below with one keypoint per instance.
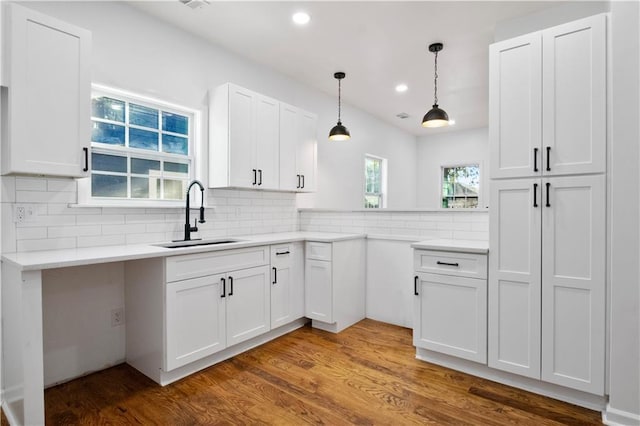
x,y
193,243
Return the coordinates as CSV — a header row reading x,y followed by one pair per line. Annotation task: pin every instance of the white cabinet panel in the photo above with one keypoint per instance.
x,y
49,83
201,264
451,263
242,151
573,283
306,155
515,99
195,320
450,315
248,304
574,97
267,142
298,142
287,283
514,276
318,290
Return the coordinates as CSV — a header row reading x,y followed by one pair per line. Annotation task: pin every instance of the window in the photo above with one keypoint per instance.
x,y
374,182
460,186
141,149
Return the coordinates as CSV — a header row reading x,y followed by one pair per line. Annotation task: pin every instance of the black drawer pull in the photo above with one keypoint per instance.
x,y
231,286
224,287
298,181
447,263
535,159
415,285
86,159
548,159
535,195
255,176
280,253
302,181
548,190
275,275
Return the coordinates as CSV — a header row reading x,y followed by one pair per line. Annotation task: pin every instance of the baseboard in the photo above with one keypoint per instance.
x,y
614,417
582,399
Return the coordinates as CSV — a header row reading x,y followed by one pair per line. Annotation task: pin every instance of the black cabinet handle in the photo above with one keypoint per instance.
x,y
447,263
231,286
535,159
255,177
535,195
260,174
275,275
548,186
302,181
298,181
415,285
224,287
86,159
280,253
548,154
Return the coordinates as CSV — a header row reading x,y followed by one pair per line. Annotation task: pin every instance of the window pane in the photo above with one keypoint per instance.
x,y
175,144
109,163
141,166
175,123
176,167
107,108
143,139
107,133
373,176
371,201
143,116
174,189
108,186
148,188
460,186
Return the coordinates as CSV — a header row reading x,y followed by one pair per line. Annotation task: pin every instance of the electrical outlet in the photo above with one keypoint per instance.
x,y
20,214
24,213
117,317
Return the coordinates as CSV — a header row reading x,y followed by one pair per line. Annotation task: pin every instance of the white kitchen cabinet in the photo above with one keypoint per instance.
x,y
287,283
547,101
196,319
335,283
244,139
248,304
298,145
450,308
46,107
547,280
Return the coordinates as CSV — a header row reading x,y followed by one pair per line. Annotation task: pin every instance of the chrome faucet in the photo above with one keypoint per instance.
x,y
188,229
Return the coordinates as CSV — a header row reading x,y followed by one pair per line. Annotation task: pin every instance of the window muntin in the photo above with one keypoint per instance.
x,y
460,186
373,182
140,149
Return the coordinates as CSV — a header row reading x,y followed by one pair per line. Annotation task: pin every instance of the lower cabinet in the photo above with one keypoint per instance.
x,y
287,283
335,283
450,303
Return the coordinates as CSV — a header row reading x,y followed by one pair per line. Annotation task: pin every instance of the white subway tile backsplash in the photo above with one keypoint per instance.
x,y
31,233
30,184
44,196
101,240
61,185
73,231
103,219
46,244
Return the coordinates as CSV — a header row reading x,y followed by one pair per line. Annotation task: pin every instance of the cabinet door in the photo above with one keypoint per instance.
x,y
288,147
297,273
318,290
514,276
573,283
248,304
574,97
515,100
195,320
266,136
450,315
281,285
306,152
49,96
242,152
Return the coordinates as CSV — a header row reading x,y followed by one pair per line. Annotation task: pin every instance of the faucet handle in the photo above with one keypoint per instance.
x,y
201,215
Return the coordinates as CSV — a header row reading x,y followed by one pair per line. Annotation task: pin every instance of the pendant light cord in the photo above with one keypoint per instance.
x,y
435,81
339,98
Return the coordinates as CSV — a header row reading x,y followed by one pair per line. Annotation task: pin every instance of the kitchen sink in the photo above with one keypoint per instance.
x,y
193,243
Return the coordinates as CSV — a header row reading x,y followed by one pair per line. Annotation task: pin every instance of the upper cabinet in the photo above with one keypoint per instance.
x,y
547,101
297,149
260,143
46,108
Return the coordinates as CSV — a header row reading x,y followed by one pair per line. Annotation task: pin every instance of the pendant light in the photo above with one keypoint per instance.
x,y
339,132
436,117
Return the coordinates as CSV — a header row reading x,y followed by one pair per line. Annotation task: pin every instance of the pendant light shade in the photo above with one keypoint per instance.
x,y
339,132
435,117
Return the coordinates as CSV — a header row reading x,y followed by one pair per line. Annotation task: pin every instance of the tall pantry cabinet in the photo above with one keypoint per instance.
x,y
547,135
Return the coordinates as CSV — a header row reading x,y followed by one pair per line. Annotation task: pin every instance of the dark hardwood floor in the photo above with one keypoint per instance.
x,y
365,375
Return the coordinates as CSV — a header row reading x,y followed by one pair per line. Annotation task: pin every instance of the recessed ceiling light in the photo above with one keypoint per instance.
x,y
400,88
301,18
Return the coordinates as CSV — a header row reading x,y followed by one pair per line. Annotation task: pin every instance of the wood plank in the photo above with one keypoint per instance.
x,y
366,374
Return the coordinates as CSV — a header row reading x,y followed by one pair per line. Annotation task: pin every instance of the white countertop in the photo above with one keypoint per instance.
x,y
48,259
462,246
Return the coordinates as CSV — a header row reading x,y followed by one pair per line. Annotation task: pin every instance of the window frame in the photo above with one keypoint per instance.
x,y
85,196
461,164
382,195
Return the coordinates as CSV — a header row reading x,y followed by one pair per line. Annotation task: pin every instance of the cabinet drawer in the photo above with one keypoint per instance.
x,y
318,251
282,255
451,263
201,264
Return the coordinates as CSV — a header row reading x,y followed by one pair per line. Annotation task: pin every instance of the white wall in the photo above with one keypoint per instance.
x,y
624,357
456,147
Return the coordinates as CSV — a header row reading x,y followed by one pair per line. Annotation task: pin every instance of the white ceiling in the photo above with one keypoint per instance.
x,y
378,45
